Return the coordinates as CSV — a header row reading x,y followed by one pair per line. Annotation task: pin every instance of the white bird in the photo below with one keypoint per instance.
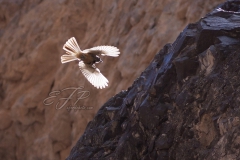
x,y
87,59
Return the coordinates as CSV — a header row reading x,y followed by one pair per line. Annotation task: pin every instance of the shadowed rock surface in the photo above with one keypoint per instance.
x,y
184,106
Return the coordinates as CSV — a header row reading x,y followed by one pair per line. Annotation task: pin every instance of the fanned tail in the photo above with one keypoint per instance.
x,y
71,47
67,58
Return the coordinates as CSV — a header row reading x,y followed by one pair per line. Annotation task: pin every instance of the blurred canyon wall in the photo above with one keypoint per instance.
x,y
32,33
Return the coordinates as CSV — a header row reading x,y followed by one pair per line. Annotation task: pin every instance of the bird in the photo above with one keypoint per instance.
x,y
87,59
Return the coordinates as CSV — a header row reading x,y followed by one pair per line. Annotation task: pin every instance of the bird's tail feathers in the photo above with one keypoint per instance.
x,y
71,47
67,58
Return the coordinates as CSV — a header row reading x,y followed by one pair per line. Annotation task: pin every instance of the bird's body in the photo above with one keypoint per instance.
x,y
87,59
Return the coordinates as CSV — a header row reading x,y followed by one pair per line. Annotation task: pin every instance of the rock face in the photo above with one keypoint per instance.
x,y
185,105
32,33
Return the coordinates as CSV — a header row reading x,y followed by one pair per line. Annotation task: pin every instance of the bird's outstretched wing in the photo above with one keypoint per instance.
x,y
104,51
71,47
93,75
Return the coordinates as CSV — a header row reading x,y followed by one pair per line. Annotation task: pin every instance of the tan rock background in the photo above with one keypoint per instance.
x,y
32,33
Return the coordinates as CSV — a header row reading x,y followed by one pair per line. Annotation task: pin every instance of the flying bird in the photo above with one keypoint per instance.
x,y
87,59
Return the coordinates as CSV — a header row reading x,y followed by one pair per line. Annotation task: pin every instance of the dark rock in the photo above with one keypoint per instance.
x,y
185,105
